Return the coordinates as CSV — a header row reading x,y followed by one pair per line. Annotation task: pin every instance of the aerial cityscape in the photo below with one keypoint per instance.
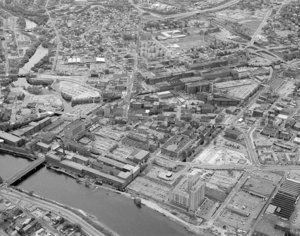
x,y
149,118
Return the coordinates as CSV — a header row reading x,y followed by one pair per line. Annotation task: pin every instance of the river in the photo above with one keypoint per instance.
x,y
9,165
37,56
114,210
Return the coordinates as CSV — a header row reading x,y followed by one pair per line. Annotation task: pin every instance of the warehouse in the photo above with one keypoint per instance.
x,y
11,139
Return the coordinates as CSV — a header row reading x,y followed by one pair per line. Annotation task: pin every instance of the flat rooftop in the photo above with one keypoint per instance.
x,y
176,143
242,92
233,83
8,136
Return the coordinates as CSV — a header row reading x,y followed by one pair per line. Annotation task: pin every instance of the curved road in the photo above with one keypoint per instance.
x,y
217,8
69,215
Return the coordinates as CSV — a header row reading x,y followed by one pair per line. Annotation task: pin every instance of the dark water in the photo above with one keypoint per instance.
x,y
114,210
9,165
37,56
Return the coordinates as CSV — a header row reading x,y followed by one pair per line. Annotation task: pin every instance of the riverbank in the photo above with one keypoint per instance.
x,y
99,202
150,204
90,184
156,207
99,226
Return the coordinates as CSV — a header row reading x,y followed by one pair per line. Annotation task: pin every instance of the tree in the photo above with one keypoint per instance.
x,y
21,22
77,227
1,180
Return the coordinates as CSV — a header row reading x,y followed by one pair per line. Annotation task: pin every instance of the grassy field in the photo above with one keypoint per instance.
x,y
252,25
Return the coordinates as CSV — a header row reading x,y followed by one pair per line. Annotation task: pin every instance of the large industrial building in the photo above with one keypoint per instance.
x,y
11,139
176,146
74,130
238,89
105,169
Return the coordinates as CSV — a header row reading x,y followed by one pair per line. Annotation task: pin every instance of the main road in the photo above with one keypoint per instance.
x,y
58,42
132,77
213,9
4,46
258,30
250,147
232,193
69,215
260,215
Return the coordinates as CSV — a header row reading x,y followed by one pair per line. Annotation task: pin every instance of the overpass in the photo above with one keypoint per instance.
x,y
25,172
256,49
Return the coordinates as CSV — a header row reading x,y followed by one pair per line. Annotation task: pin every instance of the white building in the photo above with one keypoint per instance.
x,y
189,193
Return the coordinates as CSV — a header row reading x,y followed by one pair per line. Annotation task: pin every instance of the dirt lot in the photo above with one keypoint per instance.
x,y
149,188
248,207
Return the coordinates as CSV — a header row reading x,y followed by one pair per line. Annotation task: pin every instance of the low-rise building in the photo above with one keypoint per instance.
x,y
270,131
233,133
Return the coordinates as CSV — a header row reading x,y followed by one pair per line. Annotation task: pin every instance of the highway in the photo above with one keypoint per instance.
x,y
258,49
258,30
213,9
72,217
142,11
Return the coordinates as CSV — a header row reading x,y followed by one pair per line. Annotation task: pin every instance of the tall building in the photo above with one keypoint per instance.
x,y
189,193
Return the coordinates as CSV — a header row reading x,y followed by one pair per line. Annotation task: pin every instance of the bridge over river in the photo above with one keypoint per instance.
x,y
32,167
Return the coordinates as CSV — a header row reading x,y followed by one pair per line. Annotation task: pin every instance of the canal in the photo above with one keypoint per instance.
x,y
114,210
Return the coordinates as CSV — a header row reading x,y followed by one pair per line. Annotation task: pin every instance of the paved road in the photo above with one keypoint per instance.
x,y
141,11
251,148
229,197
131,78
57,40
72,217
266,51
4,45
254,157
217,8
260,215
258,30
